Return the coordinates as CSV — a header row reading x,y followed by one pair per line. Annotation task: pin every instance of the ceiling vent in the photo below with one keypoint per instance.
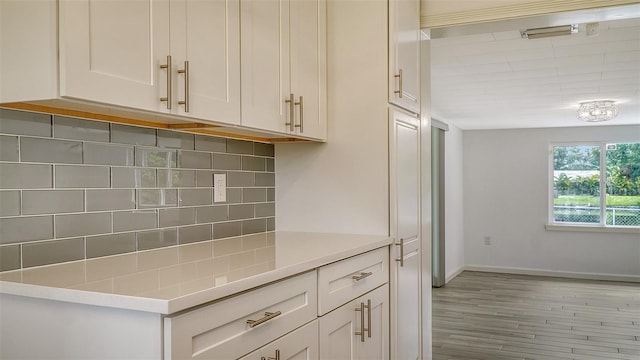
x,y
544,32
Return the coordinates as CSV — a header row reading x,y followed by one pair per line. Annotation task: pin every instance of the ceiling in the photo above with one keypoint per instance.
x,y
499,80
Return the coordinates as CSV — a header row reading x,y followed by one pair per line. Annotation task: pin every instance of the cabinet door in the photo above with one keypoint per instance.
x,y
207,35
308,31
111,51
265,64
404,54
405,214
301,344
340,329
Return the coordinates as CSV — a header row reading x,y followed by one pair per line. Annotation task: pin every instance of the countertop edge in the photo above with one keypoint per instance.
x,y
168,307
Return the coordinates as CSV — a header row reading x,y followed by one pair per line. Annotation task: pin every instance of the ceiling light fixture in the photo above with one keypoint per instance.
x,y
597,110
551,31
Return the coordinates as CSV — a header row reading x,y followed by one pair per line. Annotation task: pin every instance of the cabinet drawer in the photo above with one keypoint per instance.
x,y
223,330
301,344
340,282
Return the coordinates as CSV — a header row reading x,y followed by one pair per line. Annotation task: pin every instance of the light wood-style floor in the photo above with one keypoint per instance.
x,y
499,316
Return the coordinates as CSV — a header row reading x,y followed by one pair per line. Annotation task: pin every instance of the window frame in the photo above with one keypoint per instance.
x,y
575,226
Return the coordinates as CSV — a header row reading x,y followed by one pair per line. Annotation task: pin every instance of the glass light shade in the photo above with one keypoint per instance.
x,y
599,110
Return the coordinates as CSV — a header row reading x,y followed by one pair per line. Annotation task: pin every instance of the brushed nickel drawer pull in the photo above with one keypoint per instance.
x,y
301,125
401,259
399,76
168,67
362,329
185,71
363,275
272,358
292,114
267,316
368,306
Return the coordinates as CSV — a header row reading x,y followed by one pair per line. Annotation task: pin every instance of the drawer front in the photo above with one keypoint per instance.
x,y
343,281
238,325
301,344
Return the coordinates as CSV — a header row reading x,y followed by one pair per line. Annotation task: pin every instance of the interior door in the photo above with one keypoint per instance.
x,y
405,254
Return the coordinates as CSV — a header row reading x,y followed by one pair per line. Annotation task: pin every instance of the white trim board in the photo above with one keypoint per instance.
x,y
454,274
552,273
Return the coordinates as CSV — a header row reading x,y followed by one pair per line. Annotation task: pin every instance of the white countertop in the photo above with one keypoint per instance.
x,y
172,279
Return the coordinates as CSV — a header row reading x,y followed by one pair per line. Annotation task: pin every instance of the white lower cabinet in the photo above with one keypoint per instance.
x,y
302,344
358,329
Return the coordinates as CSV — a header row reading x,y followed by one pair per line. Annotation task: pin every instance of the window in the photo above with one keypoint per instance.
x,y
596,184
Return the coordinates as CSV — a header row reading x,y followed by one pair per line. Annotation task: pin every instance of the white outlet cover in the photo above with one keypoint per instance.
x,y
219,188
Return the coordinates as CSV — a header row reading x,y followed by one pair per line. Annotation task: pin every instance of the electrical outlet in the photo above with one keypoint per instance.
x,y
219,188
487,240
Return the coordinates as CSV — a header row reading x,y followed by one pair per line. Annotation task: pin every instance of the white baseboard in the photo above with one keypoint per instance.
x,y
553,273
453,275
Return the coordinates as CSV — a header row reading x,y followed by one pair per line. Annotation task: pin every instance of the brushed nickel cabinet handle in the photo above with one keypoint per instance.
x,y
401,259
185,71
168,67
362,329
399,76
267,316
368,306
292,114
301,125
363,275
272,358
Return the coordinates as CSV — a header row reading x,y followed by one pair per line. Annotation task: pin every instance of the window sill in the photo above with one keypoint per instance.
x,y
593,228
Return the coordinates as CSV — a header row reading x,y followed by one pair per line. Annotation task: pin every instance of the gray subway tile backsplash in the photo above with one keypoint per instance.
x,y
10,203
135,220
25,176
79,129
79,176
52,201
25,123
105,245
10,257
8,148
238,212
211,144
195,233
191,197
51,252
157,238
72,189
25,228
176,178
134,135
176,140
44,150
108,154
176,217
111,199
124,177
194,159
83,224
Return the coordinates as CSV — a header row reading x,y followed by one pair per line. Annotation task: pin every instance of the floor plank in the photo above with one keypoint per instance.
x,y
502,316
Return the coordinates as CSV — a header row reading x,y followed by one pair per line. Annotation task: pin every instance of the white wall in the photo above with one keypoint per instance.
x,y
342,186
506,198
454,217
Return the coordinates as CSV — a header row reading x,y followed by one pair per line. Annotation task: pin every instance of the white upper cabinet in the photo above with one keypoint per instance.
x,y
206,34
110,51
284,66
404,54
180,57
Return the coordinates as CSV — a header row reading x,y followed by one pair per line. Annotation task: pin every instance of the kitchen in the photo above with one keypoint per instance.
x,y
341,186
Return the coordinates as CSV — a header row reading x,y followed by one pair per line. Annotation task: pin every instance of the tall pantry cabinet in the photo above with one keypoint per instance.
x,y
405,173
